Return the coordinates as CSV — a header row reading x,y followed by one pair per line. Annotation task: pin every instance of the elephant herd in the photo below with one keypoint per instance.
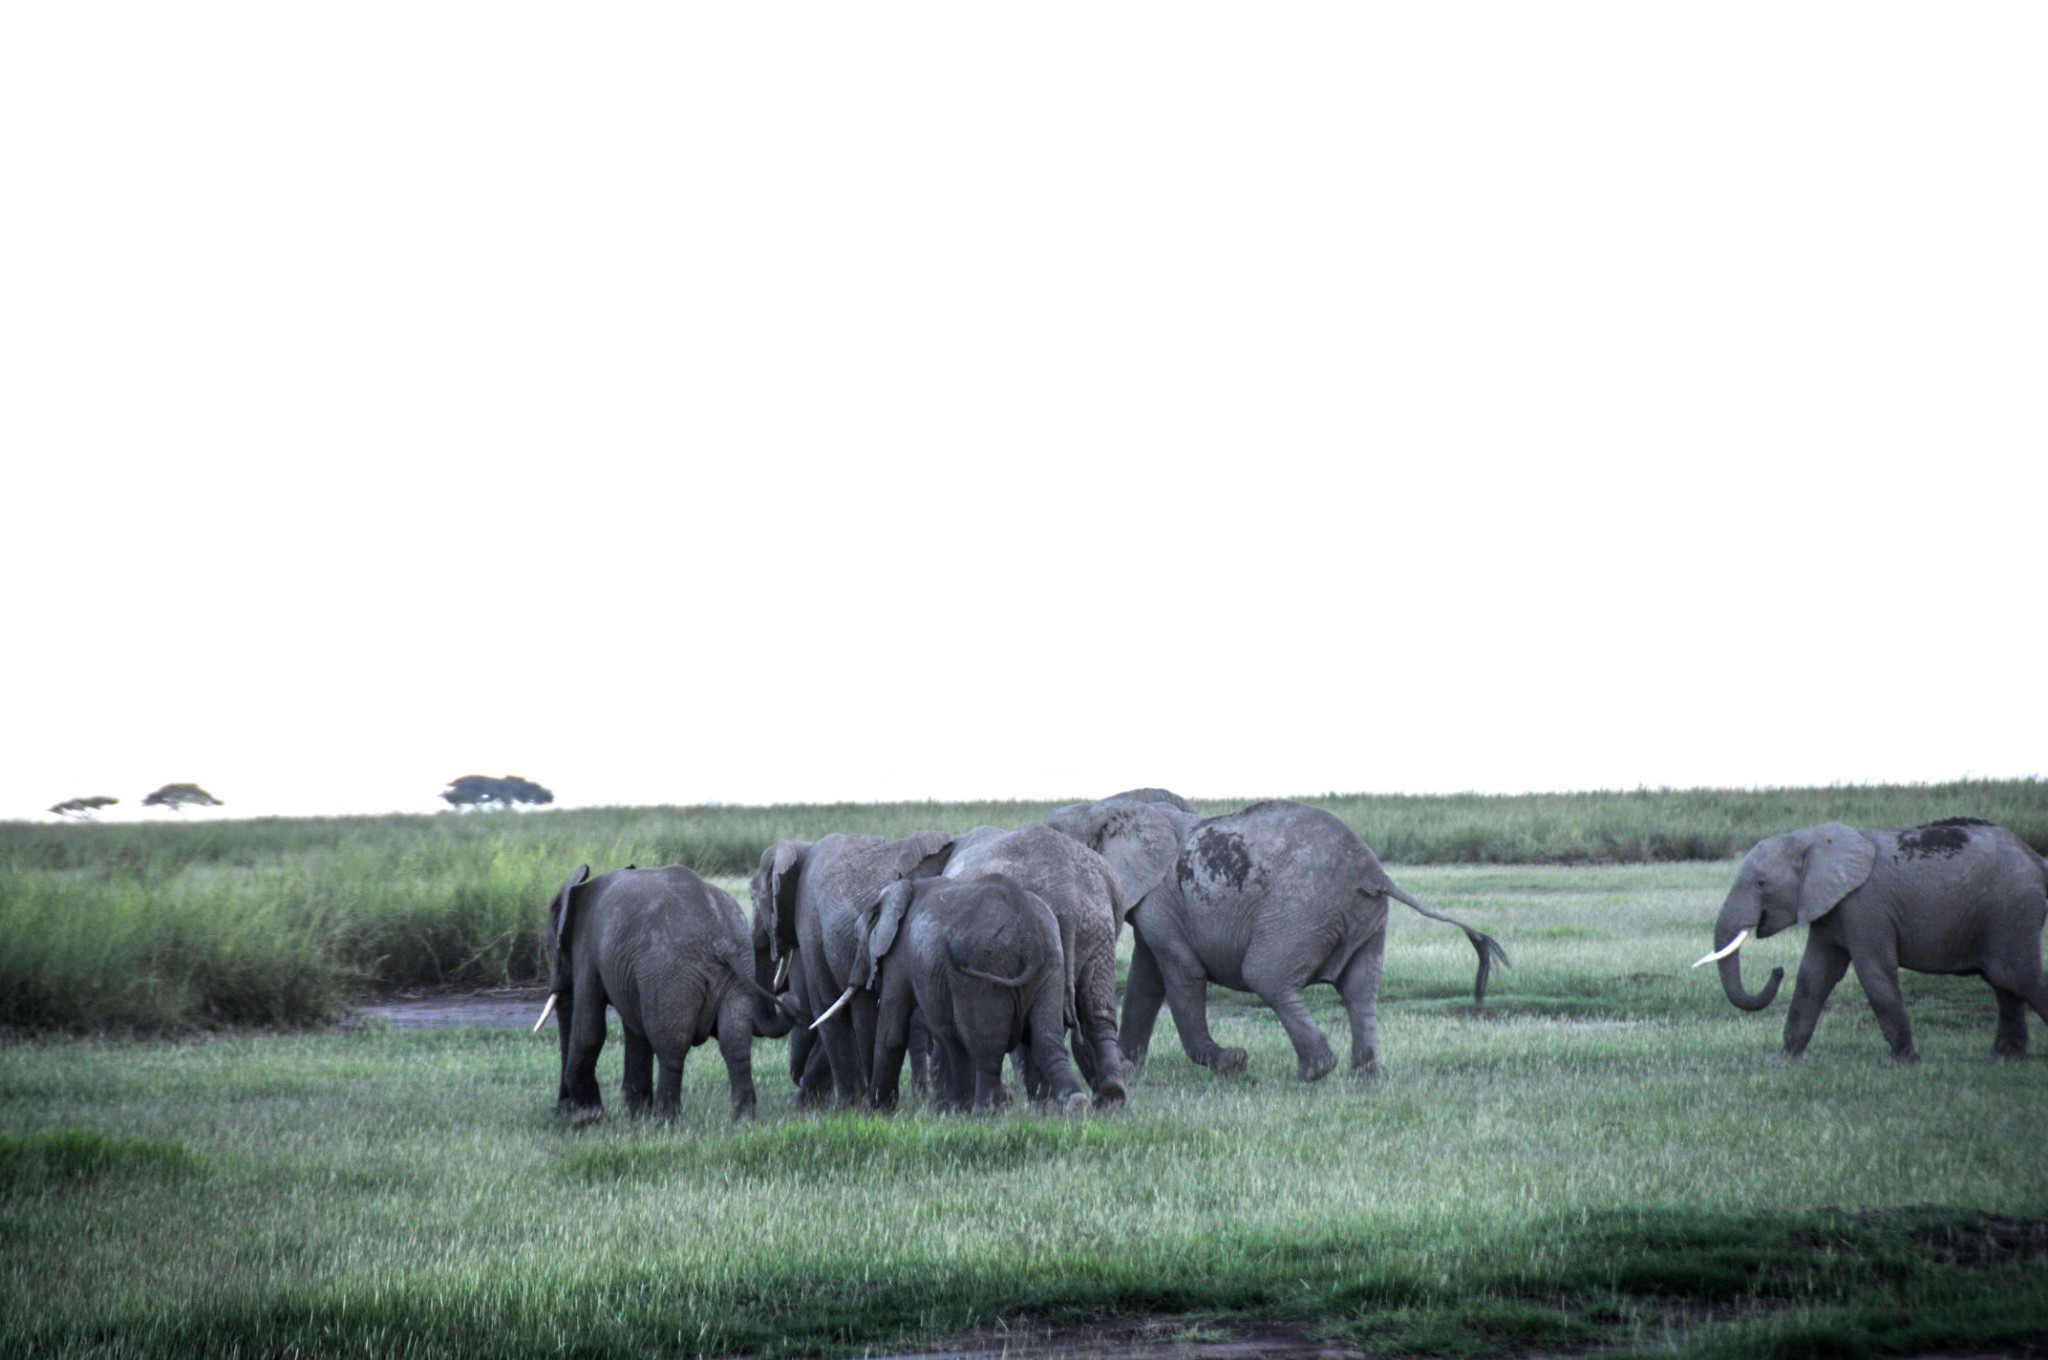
x,y
957,951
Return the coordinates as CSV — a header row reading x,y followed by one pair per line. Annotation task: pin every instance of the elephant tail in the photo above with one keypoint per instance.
x,y
953,957
774,1001
1485,945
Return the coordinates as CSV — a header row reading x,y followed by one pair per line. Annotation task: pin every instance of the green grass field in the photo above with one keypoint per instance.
x,y
1604,1157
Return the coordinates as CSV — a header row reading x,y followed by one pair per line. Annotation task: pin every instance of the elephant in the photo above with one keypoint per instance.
x,y
1088,902
808,896
1961,895
1266,900
675,958
982,960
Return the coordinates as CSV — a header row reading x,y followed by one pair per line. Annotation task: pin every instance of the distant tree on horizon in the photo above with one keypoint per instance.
x,y
82,809
178,797
480,790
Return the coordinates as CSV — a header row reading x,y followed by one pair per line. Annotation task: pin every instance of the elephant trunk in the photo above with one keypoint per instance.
x,y
774,1015
1737,921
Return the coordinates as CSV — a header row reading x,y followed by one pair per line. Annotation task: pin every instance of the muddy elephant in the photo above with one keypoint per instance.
x,y
675,958
1267,900
981,959
808,896
1961,895
1087,901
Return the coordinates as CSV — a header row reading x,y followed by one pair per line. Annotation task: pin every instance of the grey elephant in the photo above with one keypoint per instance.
x,y
982,960
1961,895
808,896
1267,900
1087,901
674,956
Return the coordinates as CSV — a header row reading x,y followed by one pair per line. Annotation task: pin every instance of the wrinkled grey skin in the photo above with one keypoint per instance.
x,y
674,957
1084,896
1267,900
808,896
981,959
1956,896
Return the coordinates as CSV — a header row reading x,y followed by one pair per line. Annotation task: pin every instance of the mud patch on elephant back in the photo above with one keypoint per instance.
x,y
1938,839
1223,857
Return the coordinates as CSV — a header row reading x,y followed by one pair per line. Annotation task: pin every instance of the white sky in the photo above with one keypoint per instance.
x,y
796,402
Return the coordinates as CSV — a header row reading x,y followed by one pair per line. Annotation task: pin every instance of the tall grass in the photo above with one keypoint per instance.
x,y
276,921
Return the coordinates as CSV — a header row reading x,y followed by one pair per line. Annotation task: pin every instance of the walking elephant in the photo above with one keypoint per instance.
x,y
808,897
1088,903
1267,900
674,957
982,960
1961,895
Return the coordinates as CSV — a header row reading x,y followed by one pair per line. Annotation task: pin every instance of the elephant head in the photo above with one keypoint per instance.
x,y
773,890
1139,839
561,923
1793,879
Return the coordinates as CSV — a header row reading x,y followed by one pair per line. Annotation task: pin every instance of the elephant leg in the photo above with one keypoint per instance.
x,y
1359,985
814,1086
736,1046
956,1073
1097,1054
1880,979
894,1031
2011,1041
668,1084
1277,982
2017,988
638,1085
1144,994
864,1014
989,1092
580,1098
1187,996
1820,968
920,1056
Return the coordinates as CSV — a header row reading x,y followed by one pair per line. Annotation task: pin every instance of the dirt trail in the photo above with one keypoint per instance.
x,y
501,1009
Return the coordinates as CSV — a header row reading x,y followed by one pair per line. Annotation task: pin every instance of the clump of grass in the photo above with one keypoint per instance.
x,y
34,1161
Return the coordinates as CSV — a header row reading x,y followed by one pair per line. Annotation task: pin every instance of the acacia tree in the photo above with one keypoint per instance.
x,y
480,790
178,797
82,809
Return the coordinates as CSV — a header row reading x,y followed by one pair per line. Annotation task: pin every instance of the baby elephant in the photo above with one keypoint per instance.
x,y
675,958
982,960
1957,896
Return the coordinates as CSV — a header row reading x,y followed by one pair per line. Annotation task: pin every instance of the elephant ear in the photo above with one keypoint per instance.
x,y
913,852
888,921
773,877
1139,841
1838,860
564,908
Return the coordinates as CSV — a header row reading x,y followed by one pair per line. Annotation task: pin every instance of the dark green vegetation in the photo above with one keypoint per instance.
x,y
276,921
1604,1157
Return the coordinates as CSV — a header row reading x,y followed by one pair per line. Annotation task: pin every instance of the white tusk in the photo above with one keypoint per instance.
x,y
781,974
545,1012
1726,950
833,1009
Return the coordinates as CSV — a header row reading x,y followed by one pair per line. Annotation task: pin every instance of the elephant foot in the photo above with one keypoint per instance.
x,y
1133,1066
1784,1057
1111,1095
1322,1065
580,1115
1229,1062
1367,1071
2009,1052
1905,1057
1075,1104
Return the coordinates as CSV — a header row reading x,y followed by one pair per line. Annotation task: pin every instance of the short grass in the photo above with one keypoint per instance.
x,y
1604,1157
161,927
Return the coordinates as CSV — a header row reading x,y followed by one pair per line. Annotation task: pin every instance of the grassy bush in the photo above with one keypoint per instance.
x,y
276,921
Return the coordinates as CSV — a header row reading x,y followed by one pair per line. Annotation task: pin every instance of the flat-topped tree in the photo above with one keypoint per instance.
x,y
82,809
178,797
481,790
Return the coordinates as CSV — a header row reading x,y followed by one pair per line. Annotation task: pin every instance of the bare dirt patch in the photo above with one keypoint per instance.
x,y
1179,1338
503,1008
